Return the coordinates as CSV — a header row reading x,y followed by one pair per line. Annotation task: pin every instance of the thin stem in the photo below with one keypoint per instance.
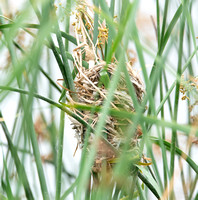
x,y
148,184
19,167
59,155
179,71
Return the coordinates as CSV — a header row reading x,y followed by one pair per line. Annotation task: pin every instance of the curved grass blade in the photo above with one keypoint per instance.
x,y
148,183
147,119
121,113
193,165
37,26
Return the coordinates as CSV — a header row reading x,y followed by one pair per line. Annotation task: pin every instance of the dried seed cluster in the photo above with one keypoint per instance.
x,y
189,90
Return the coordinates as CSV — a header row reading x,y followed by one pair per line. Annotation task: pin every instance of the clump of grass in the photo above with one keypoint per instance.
x,y
104,95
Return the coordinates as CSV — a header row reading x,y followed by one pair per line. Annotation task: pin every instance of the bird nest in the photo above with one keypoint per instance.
x,y
90,90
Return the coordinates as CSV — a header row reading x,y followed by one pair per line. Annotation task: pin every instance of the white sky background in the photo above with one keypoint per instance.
x,y
147,8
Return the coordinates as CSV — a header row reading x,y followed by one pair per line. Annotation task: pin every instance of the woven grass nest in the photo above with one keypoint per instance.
x,y
90,91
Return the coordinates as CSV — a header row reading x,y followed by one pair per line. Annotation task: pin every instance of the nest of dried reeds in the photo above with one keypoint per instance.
x,y
91,91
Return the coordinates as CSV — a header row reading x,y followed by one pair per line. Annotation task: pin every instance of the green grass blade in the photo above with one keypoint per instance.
x,y
170,28
53,103
122,114
177,79
164,21
112,7
112,33
49,79
59,155
37,26
165,165
191,163
150,178
149,185
179,71
165,40
190,24
41,69
66,69
158,22
6,185
20,168
96,18
70,189
142,197
193,186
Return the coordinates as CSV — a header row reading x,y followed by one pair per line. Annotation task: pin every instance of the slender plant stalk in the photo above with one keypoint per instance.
x,y
179,71
20,168
59,156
